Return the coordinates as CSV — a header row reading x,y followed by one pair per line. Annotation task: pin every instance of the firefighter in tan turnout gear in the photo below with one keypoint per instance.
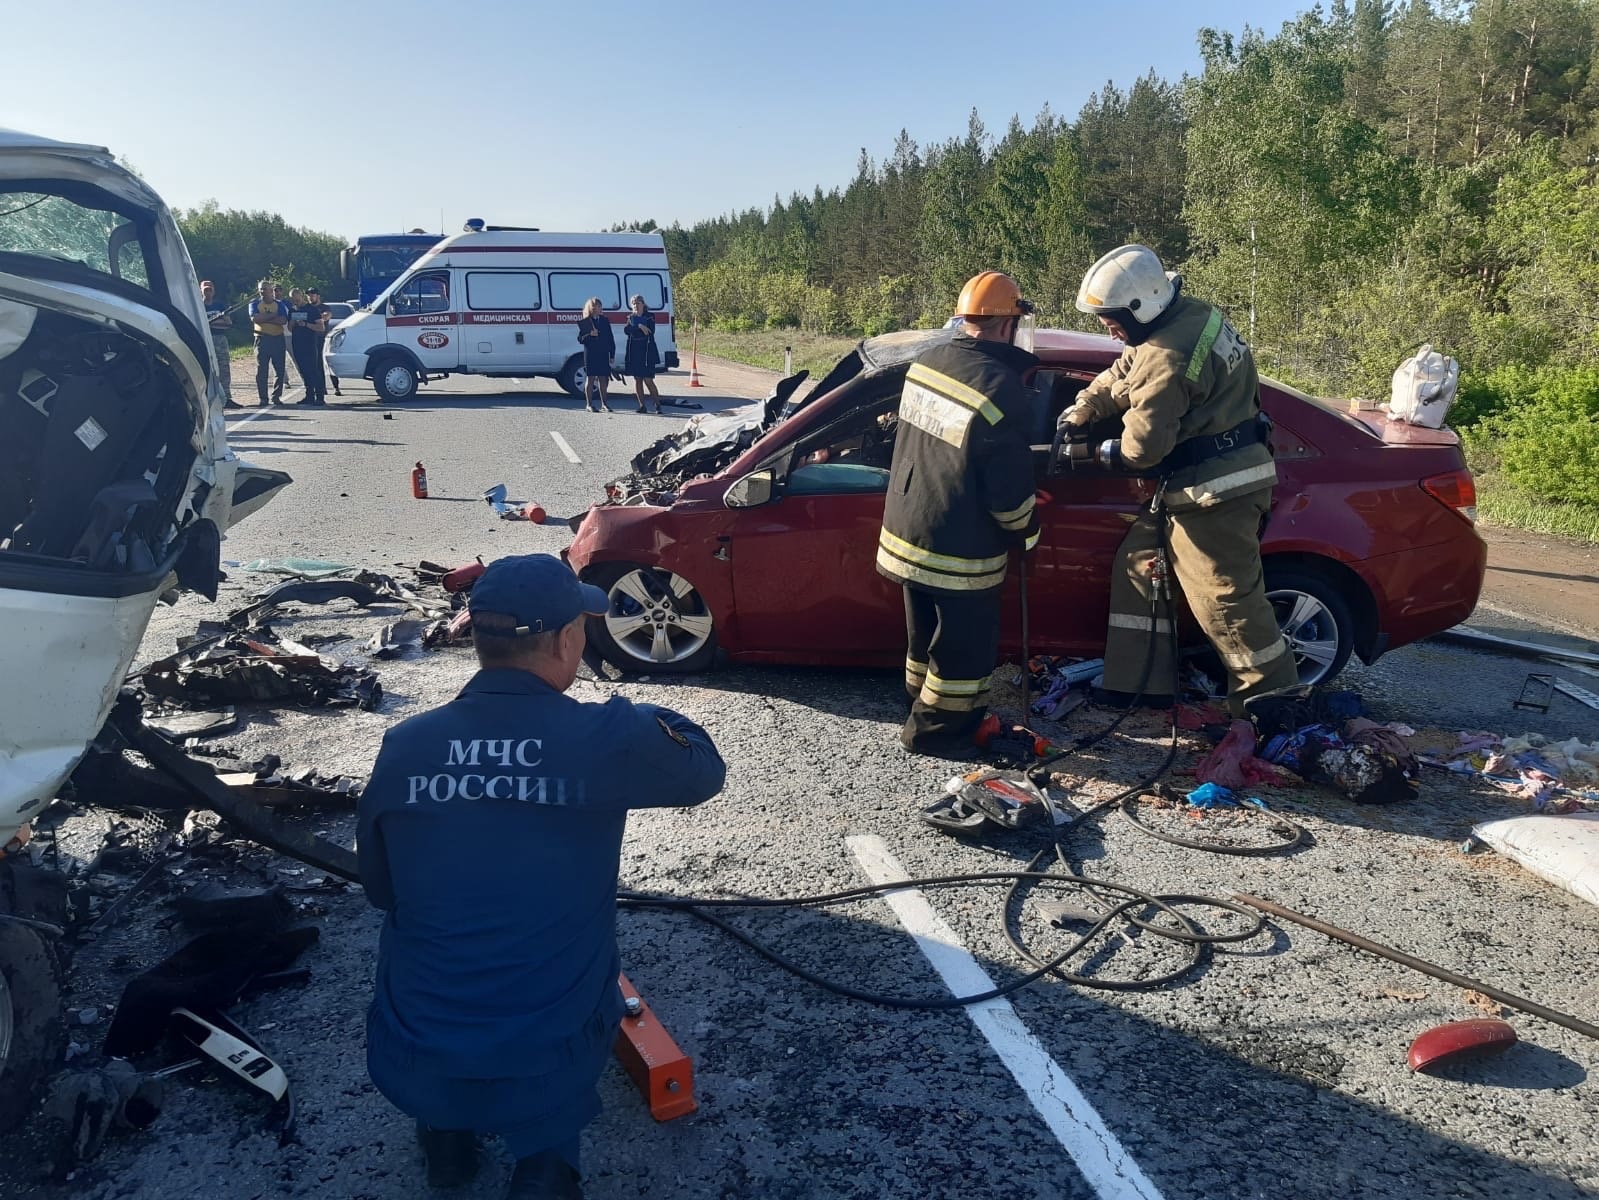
x,y
1188,394
960,496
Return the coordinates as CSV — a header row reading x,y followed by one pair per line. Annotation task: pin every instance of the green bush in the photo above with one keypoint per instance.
x,y
1541,427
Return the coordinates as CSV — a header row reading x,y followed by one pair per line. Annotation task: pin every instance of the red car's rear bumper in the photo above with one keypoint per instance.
x,y
1425,590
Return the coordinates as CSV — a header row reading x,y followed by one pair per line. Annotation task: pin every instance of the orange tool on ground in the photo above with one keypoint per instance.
x,y
663,1074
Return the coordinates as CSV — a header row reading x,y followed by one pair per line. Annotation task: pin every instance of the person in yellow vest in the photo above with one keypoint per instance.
x,y
1188,396
269,318
960,497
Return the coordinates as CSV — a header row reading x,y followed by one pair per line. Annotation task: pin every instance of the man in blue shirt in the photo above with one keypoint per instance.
x,y
490,835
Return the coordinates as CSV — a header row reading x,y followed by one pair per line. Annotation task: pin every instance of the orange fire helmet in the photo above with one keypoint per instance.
x,y
992,294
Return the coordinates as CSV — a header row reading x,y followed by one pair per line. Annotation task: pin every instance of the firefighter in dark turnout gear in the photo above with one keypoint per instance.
x,y
1189,398
960,496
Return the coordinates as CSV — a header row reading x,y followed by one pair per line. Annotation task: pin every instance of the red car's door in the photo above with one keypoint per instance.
x,y
805,580
1068,576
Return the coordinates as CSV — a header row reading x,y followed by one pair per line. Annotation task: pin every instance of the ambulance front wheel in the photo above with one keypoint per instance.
x,y
573,378
394,380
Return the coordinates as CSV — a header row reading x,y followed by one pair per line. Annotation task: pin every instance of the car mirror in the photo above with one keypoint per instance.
x,y
754,490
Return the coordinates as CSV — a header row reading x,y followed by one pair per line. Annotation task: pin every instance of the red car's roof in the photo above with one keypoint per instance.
x,y
1058,345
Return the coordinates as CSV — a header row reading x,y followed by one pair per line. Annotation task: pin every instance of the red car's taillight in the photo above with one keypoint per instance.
x,y
1456,489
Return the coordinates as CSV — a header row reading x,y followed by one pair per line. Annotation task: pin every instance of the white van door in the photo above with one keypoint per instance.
x,y
504,322
423,317
569,291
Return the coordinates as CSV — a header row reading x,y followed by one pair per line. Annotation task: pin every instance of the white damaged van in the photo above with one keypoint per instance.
x,y
502,303
116,484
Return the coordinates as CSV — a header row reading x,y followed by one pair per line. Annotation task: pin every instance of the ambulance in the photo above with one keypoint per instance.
x,y
504,303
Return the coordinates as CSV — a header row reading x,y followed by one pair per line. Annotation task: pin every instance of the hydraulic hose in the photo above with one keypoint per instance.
x,y
1132,905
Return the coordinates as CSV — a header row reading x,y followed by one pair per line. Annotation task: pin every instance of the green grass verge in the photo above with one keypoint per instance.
x,y
1500,502
815,353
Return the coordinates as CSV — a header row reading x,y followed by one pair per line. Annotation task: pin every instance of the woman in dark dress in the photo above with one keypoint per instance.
x,y
643,357
599,350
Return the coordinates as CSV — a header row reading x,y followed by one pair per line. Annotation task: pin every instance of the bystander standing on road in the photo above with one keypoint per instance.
x,y
309,330
599,353
269,318
490,835
219,321
643,357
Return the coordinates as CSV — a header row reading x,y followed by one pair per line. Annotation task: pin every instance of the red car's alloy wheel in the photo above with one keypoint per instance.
x,y
656,620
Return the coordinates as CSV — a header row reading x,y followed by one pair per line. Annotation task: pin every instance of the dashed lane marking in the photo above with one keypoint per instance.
x,y
1103,1161
561,445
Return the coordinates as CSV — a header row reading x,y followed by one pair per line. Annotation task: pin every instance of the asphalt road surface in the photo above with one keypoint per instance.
x,y
1277,1069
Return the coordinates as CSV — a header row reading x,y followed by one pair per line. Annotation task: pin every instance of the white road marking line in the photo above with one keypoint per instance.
x,y
253,416
1103,1161
560,444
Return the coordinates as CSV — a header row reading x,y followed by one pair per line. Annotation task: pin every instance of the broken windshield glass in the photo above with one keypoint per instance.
x,y
49,226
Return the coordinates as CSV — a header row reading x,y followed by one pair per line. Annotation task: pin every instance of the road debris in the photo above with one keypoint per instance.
x,y
91,1102
179,724
261,668
513,510
1233,764
1562,849
1460,1039
304,568
1556,777
397,638
209,973
1464,982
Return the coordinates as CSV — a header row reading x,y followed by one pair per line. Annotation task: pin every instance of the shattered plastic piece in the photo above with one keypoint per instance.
x,y
308,591
1446,1043
208,973
192,724
305,568
242,1056
452,631
397,637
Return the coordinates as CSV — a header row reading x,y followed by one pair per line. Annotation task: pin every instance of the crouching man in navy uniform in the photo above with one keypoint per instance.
x,y
490,835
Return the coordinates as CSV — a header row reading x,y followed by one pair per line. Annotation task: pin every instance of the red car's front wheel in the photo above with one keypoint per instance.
x,y
656,620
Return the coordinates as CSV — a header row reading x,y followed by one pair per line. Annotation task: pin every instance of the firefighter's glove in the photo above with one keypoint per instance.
x,y
1074,418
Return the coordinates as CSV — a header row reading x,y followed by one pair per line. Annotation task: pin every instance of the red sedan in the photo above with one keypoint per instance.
x,y
755,532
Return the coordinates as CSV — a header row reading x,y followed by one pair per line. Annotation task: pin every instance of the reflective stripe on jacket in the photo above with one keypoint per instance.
x,y
961,491
1193,377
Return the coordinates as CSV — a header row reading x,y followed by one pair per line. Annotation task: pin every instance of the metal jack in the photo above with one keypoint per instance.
x,y
663,1074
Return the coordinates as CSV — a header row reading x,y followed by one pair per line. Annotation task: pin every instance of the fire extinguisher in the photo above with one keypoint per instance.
x,y
419,482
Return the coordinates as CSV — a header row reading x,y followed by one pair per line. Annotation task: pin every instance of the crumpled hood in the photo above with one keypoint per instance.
x,y
712,440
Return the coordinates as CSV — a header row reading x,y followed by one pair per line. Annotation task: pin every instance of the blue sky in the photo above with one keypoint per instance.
x,y
357,117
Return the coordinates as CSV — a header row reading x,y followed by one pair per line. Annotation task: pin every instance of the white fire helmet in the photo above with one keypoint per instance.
x,y
1128,285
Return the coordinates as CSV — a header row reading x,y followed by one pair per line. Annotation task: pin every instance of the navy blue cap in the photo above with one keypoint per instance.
x,y
538,591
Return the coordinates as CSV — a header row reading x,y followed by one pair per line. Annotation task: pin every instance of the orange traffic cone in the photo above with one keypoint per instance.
x,y
694,358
